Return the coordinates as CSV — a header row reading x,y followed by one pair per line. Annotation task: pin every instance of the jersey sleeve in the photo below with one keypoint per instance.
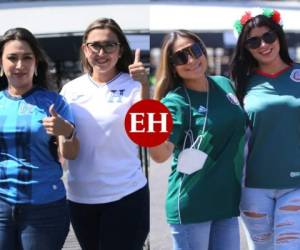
x,y
136,94
224,83
63,109
178,116
65,93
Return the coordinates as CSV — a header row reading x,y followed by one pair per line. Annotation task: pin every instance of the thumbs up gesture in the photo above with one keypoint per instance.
x,y
56,125
52,111
137,70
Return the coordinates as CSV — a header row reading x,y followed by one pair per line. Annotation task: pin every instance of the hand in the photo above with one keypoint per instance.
x,y
56,125
137,70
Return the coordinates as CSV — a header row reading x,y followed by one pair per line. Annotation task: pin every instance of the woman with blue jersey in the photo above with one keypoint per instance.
x,y
35,125
268,85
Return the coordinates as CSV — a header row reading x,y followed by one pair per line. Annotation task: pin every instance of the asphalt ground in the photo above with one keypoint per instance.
x,y
71,242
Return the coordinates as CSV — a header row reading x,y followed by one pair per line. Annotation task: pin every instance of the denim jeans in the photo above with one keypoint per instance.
x,y
33,227
213,235
271,218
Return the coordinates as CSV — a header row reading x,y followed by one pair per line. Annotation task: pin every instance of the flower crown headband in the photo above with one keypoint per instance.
x,y
271,13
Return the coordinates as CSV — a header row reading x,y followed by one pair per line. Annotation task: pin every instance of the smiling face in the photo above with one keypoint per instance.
x,y
102,62
195,67
266,53
18,62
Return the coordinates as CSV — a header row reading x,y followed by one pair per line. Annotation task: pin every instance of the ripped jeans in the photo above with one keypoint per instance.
x,y
272,218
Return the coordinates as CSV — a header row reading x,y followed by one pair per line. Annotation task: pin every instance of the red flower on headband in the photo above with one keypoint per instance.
x,y
246,17
276,16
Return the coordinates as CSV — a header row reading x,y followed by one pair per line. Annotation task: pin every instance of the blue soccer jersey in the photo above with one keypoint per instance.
x,y
30,172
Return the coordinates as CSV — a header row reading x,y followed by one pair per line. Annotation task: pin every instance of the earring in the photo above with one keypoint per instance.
x,y
1,72
35,72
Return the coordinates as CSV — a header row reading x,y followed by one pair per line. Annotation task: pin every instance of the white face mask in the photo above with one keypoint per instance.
x,y
191,160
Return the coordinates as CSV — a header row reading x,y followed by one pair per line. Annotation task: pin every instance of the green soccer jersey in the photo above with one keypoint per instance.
x,y
273,105
214,191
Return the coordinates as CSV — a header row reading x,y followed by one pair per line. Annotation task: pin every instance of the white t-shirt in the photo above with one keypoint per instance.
x,y
108,166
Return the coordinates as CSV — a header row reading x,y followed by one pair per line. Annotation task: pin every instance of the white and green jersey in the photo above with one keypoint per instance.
x,y
273,105
214,191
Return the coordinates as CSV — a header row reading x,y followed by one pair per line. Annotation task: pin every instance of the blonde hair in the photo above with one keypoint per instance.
x,y
166,76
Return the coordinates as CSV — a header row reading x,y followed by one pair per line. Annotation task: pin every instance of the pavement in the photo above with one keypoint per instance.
x,y
71,242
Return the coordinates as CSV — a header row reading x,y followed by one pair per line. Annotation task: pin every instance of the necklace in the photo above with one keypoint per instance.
x,y
200,137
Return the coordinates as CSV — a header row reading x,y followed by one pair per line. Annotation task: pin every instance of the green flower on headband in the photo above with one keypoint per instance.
x,y
273,14
270,13
238,26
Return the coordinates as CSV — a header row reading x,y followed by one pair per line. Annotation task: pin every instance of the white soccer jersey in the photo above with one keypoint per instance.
x,y
107,167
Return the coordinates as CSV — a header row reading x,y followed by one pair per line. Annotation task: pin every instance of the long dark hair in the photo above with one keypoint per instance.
x,y
243,64
22,34
166,76
126,55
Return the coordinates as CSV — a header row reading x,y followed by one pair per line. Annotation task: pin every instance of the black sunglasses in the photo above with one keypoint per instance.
x,y
108,47
181,57
255,42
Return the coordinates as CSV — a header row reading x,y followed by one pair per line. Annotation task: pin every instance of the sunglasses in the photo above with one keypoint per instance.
x,y
181,57
107,47
255,42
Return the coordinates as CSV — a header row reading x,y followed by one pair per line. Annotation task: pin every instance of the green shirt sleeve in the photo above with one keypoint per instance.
x,y
175,104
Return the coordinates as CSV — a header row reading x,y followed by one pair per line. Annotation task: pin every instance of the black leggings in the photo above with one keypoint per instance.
x,y
119,225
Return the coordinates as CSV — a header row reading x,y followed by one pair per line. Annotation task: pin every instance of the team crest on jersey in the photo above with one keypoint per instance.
x,y
26,108
295,75
233,99
116,95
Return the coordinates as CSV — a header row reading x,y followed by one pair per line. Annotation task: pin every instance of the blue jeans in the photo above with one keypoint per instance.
x,y
213,235
272,218
34,227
